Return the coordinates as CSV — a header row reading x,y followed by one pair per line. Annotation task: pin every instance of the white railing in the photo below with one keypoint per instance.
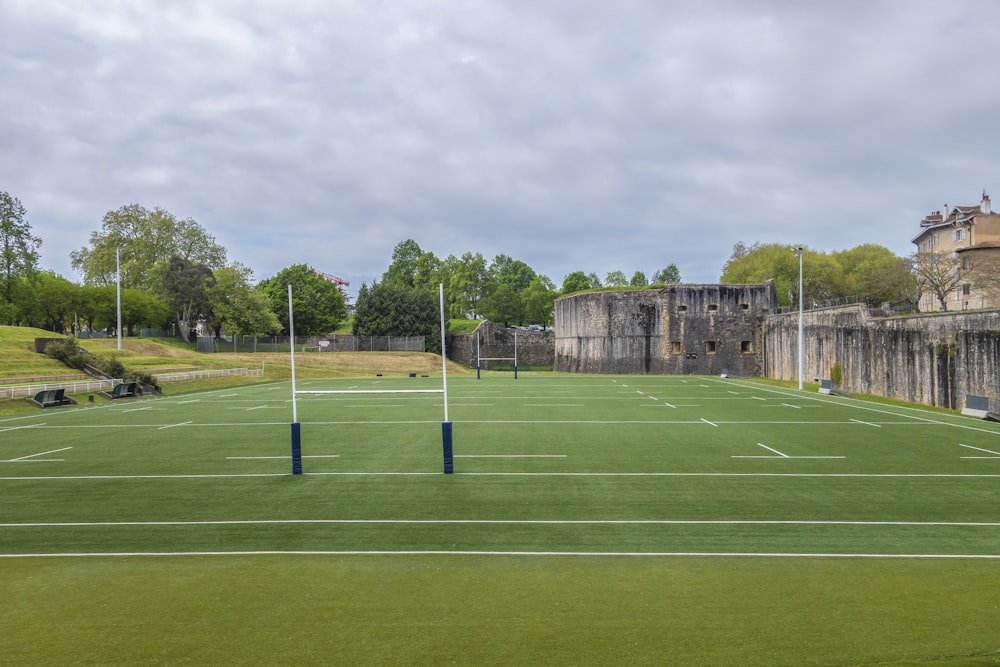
x,y
204,375
85,386
78,387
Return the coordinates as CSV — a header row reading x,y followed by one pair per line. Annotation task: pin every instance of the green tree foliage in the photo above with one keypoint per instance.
x,y
638,280
539,298
577,281
147,241
616,279
402,272
395,310
56,301
867,273
18,257
670,275
239,307
508,279
469,280
318,304
185,289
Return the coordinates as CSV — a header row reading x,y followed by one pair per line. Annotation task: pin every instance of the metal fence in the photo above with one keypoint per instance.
x,y
335,343
205,375
76,387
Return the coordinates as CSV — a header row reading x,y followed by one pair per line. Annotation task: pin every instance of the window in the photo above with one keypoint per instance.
x,y
746,346
959,235
966,290
709,347
682,308
966,263
712,307
744,306
675,347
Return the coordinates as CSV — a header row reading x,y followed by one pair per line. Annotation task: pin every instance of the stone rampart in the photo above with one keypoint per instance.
x,y
934,359
679,329
534,348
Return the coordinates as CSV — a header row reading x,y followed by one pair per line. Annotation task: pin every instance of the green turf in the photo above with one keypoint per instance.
x,y
591,520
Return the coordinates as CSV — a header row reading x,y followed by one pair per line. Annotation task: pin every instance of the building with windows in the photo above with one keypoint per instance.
x,y
958,258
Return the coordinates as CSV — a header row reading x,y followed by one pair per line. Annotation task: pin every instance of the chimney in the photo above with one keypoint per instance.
x,y
984,206
944,212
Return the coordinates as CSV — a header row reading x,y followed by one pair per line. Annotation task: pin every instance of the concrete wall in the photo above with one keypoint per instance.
x,y
935,359
680,329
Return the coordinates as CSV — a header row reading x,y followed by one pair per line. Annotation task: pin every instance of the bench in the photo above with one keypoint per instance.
x,y
123,390
51,398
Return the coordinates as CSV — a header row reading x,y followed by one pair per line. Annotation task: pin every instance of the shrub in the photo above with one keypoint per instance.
x,y
836,374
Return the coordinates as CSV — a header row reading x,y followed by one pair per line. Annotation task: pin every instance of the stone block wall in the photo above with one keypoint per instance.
x,y
534,348
934,359
679,329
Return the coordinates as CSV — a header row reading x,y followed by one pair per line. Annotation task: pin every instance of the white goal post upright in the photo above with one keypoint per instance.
x,y
445,425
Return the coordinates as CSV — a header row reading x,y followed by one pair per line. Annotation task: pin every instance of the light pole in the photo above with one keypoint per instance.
x,y
799,251
118,290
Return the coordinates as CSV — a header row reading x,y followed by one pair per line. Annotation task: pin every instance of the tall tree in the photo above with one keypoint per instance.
x,y
670,275
469,280
394,310
577,281
147,240
18,254
616,279
538,299
937,273
318,305
238,306
185,289
403,269
638,280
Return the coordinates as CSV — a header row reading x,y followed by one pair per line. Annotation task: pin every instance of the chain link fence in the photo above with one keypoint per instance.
x,y
336,343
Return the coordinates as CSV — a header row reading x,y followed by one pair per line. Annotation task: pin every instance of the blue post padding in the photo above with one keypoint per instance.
x,y
477,372
515,371
296,448
449,459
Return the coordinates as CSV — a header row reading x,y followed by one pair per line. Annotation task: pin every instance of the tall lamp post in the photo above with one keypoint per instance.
x,y
799,251
118,291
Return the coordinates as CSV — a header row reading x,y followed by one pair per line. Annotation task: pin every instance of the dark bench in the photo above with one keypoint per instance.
x,y
51,398
123,390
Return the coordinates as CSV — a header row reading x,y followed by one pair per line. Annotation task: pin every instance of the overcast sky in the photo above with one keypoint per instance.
x,y
570,135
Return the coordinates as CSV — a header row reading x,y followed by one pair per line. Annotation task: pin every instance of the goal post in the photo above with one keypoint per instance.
x,y
446,430
480,359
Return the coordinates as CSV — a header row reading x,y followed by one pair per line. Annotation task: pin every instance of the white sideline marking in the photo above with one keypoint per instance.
x,y
313,456
370,391
137,409
980,449
525,522
510,456
782,455
602,554
195,400
173,425
19,428
858,421
709,423
258,407
32,456
553,405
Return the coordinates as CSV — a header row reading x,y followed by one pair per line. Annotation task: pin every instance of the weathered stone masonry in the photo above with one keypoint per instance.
x,y
534,348
680,329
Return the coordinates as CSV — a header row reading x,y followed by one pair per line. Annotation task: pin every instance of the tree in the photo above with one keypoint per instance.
x,y
671,275
876,274
638,280
402,271
56,300
318,304
539,299
147,240
577,281
772,261
616,279
394,310
18,254
984,275
937,273
468,284
185,289
239,307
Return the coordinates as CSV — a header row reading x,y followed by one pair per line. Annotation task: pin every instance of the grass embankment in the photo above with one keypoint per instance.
x,y
22,363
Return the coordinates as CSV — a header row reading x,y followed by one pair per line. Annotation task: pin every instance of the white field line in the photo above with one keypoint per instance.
x,y
996,455
20,428
709,423
32,456
581,554
858,421
771,449
59,478
515,522
510,456
173,425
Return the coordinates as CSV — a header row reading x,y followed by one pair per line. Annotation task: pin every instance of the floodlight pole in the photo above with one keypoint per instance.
x,y
800,251
118,291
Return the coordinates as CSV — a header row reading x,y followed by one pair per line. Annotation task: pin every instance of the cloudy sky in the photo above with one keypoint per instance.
x,y
570,135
